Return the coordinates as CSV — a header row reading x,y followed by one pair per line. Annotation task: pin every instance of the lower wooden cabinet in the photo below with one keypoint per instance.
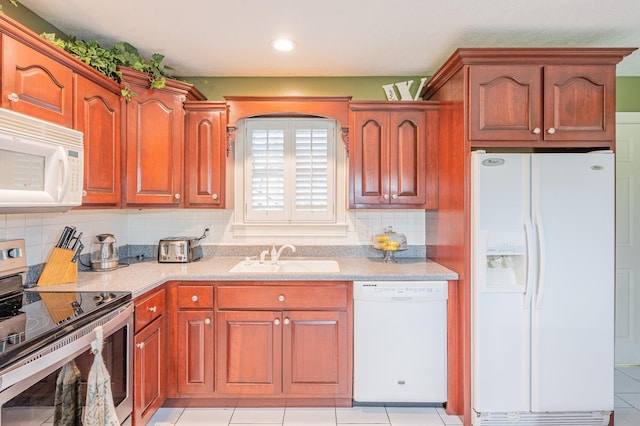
x,y
289,350
264,343
149,356
195,360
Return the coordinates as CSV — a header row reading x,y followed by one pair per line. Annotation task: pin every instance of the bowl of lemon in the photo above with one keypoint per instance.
x,y
390,242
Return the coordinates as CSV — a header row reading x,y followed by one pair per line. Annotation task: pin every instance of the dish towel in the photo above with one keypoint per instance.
x,y
99,409
67,401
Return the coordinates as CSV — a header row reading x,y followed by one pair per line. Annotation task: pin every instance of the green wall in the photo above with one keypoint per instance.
x,y
29,19
360,88
628,94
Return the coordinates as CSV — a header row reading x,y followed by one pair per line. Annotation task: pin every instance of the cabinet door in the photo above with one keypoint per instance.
x,y
249,352
407,158
505,102
316,353
97,115
205,155
195,352
579,102
369,158
149,378
35,84
155,136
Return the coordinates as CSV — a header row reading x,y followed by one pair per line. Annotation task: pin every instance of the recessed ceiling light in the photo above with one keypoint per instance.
x,y
283,45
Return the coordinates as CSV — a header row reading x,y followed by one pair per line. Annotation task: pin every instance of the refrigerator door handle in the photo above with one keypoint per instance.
x,y
541,259
528,285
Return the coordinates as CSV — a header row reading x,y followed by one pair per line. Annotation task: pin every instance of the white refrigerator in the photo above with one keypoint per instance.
x,y
543,251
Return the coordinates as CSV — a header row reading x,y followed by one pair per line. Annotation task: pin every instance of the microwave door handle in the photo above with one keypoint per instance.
x,y
63,178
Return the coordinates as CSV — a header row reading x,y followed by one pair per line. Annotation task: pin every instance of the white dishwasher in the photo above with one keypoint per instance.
x,y
400,342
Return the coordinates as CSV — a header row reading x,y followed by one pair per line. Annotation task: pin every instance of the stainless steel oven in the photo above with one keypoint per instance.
x,y
43,331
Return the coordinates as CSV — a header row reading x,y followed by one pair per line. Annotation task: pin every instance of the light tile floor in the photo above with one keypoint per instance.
x,y
627,404
627,412
362,416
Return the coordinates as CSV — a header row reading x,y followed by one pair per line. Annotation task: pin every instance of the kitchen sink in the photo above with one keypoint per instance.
x,y
289,265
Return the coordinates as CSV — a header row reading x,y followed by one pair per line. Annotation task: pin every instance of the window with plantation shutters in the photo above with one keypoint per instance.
x,y
289,170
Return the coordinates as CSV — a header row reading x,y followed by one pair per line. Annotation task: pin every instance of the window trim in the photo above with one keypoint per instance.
x,y
336,228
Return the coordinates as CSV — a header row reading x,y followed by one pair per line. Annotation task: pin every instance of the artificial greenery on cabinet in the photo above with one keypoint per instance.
x,y
107,61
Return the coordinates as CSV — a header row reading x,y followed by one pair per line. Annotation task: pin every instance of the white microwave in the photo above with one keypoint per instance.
x,y
41,165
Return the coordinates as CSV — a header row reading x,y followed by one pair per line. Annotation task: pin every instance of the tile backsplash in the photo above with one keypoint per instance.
x,y
145,227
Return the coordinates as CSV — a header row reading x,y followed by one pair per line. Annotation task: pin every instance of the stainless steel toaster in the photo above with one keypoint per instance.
x,y
180,249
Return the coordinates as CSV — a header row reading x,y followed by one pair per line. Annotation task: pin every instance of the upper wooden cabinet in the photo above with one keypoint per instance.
x,y
97,114
541,103
35,84
529,97
155,141
205,154
392,155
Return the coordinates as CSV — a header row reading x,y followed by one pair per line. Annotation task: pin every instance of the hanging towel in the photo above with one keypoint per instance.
x,y
68,403
99,409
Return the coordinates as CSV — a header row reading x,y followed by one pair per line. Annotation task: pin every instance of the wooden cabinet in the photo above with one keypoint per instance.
x,y
154,143
195,341
496,98
97,115
536,103
36,84
149,356
205,154
288,341
392,155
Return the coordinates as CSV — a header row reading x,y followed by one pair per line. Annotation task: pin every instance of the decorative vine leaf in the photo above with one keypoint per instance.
x,y
107,60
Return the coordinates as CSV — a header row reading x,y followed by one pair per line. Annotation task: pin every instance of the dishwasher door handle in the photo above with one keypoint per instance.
x,y
401,298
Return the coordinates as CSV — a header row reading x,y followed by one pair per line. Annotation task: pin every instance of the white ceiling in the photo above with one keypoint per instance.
x,y
341,37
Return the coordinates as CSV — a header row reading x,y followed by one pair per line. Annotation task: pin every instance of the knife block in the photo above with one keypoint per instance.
x,y
59,269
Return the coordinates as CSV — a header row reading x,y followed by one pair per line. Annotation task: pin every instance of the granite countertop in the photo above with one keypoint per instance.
x,y
141,277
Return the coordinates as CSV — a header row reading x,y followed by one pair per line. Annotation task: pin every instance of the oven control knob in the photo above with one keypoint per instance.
x,y
15,252
4,255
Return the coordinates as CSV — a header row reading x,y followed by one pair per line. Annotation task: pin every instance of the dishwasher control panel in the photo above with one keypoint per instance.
x,y
400,290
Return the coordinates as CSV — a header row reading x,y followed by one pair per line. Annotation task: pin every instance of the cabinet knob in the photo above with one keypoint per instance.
x,y
385,196
287,321
281,298
207,321
536,131
84,192
140,345
214,196
394,196
276,321
13,97
152,308
194,298
177,196
551,131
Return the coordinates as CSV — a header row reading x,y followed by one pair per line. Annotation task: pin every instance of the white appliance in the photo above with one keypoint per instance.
x,y
42,165
400,342
542,288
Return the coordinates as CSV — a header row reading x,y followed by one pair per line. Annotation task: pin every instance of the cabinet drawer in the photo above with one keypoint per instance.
x,y
195,296
282,297
148,309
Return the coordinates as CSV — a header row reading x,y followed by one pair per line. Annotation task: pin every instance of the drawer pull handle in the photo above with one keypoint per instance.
x,y
281,298
287,321
276,321
152,309
194,298
140,345
207,321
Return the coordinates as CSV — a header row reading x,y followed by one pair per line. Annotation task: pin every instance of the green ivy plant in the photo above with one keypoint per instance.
x,y
13,2
106,61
